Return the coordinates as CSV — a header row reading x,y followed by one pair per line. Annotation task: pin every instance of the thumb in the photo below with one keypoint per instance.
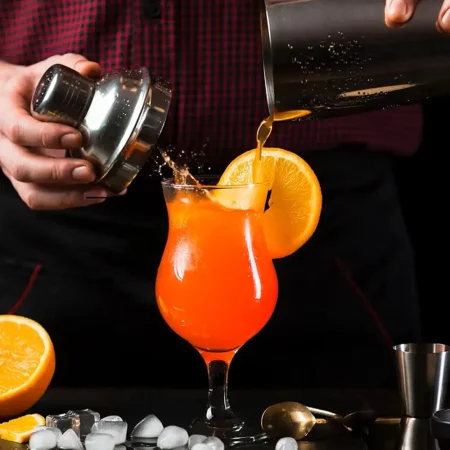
x,y
76,62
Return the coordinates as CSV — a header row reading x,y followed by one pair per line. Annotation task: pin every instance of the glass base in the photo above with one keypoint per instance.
x,y
239,434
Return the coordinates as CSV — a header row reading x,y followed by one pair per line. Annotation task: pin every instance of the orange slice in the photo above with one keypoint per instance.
x,y
27,364
295,201
19,430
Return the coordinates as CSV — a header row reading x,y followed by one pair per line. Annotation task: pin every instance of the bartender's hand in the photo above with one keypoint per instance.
x,y
32,152
398,12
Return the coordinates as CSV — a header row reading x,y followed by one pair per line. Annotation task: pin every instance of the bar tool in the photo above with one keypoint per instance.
x,y
287,419
336,58
423,371
358,422
440,428
292,419
415,435
120,117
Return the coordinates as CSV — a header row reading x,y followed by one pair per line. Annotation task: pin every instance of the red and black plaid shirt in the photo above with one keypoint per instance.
x,y
211,52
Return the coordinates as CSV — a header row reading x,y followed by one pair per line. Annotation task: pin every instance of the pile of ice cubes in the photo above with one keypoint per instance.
x,y
68,431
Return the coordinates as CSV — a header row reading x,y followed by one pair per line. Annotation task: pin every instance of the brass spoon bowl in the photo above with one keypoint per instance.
x,y
292,419
288,419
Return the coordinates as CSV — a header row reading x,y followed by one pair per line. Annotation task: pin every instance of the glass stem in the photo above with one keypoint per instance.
x,y
219,414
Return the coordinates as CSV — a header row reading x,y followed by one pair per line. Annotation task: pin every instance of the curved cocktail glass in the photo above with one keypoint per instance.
x,y
216,285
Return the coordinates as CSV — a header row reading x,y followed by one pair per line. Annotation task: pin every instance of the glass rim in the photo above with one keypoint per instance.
x,y
169,182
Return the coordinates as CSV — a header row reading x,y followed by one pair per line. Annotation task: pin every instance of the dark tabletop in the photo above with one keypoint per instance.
x,y
179,407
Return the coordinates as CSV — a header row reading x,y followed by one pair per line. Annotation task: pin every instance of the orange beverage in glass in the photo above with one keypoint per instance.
x,y
216,285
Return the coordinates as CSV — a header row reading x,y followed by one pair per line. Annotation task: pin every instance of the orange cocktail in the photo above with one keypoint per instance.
x,y
216,285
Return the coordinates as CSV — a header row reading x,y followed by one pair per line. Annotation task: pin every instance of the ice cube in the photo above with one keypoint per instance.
x,y
149,427
70,441
87,419
172,437
112,419
286,443
94,413
64,422
196,439
214,443
201,446
99,441
43,440
54,430
117,429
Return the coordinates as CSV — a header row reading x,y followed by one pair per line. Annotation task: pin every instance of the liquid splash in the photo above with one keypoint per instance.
x,y
183,176
169,161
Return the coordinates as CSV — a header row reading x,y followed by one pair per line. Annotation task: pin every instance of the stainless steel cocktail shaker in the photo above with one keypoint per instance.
x,y
120,116
336,57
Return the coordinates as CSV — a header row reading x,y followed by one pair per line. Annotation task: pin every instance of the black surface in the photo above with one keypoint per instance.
x,y
179,407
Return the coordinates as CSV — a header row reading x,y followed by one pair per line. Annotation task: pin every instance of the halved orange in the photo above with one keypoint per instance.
x,y
20,429
295,201
27,364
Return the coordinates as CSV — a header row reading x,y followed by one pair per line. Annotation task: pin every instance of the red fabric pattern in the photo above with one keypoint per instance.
x,y
210,51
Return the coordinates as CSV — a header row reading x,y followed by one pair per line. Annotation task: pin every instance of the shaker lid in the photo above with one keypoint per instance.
x,y
120,117
143,128
62,95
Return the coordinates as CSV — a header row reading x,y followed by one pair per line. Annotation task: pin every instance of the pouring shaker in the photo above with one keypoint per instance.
x,y
338,57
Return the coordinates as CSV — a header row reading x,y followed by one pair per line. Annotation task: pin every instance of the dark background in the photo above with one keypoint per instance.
x,y
422,182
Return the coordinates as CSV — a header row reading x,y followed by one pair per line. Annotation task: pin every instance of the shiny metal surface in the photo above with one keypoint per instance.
x,y
292,419
415,435
423,373
120,117
338,57
287,419
63,96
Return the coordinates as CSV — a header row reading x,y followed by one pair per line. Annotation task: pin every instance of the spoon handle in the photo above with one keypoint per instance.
x,y
322,412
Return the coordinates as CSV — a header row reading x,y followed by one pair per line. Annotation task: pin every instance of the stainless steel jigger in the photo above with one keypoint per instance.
x,y
415,435
120,117
423,371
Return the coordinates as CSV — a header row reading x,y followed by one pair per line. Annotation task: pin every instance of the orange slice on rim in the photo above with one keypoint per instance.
x,y
295,201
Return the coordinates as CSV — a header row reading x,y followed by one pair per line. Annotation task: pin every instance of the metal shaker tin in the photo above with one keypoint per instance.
x,y
337,57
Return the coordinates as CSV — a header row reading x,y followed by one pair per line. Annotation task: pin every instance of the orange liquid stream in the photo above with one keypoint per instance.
x,y
265,130
216,284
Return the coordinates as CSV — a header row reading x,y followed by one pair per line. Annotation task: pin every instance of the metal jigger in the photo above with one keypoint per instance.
x,y
415,435
423,371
